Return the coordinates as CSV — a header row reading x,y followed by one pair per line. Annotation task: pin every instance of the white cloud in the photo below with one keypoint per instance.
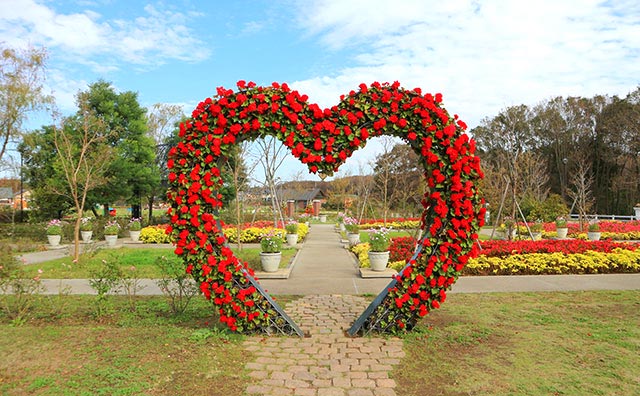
x,y
483,56
145,40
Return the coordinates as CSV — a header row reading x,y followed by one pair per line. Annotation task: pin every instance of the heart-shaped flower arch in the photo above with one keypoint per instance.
x,y
323,139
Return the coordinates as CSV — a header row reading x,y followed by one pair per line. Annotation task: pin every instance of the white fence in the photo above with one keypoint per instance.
x,y
574,216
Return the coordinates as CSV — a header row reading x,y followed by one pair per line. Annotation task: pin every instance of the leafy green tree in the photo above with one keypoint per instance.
x,y
133,173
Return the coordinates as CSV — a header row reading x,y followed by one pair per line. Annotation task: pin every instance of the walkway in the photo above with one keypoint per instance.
x,y
327,363
324,266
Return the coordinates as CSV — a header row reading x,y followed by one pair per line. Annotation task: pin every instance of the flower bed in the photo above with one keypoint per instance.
x,y
396,224
254,234
507,248
614,230
589,262
155,234
531,257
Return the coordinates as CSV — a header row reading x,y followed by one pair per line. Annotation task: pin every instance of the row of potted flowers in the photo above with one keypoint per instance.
x,y
111,230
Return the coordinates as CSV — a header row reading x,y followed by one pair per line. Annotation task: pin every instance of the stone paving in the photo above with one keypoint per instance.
x,y
327,362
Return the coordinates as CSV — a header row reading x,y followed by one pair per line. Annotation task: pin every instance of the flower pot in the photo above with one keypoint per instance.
x,y
54,240
342,227
354,239
292,239
378,260
636,209
323,218
135,235
86,236
593,235
270,261
111,239
562,232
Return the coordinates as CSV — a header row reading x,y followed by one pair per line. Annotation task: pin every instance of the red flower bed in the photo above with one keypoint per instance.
x,y
401,248
618,227
506,248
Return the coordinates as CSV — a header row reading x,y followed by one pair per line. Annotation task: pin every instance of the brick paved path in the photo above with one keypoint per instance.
x,y
327,363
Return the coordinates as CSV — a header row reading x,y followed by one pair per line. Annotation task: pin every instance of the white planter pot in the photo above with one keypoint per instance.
x,y
292,239
135,235
636,209
354,239
378,260
270,261
562,232
593,235
342,227
54,240
323,218
111,239
86,236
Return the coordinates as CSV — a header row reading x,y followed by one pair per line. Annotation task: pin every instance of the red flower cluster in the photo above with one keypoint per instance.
x,y
567,246
323,139
401,248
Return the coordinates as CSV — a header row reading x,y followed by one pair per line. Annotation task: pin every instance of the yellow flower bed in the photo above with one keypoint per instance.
x,y
396,225
254,234
618,261
154,234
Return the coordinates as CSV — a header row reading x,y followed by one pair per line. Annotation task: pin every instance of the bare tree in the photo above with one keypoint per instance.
x,y
383,173
83,157
581,183
21,91
161,119
271,155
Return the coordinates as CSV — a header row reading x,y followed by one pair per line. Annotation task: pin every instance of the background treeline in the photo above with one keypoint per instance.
x,y
585,151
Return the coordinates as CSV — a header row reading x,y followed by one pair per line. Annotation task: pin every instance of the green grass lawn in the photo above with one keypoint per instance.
x,y
578,343
143,259
494,344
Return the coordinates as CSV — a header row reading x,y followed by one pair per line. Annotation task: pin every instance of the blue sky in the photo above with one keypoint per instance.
x,y
482,56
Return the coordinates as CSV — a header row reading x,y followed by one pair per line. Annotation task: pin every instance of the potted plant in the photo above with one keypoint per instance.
x,y
636,209
536,230
111,230
135,225
507,229
593,231
291,229
323,218
561,227
305,218
86,229
379,242
271,246
54,232
353,230
341,217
